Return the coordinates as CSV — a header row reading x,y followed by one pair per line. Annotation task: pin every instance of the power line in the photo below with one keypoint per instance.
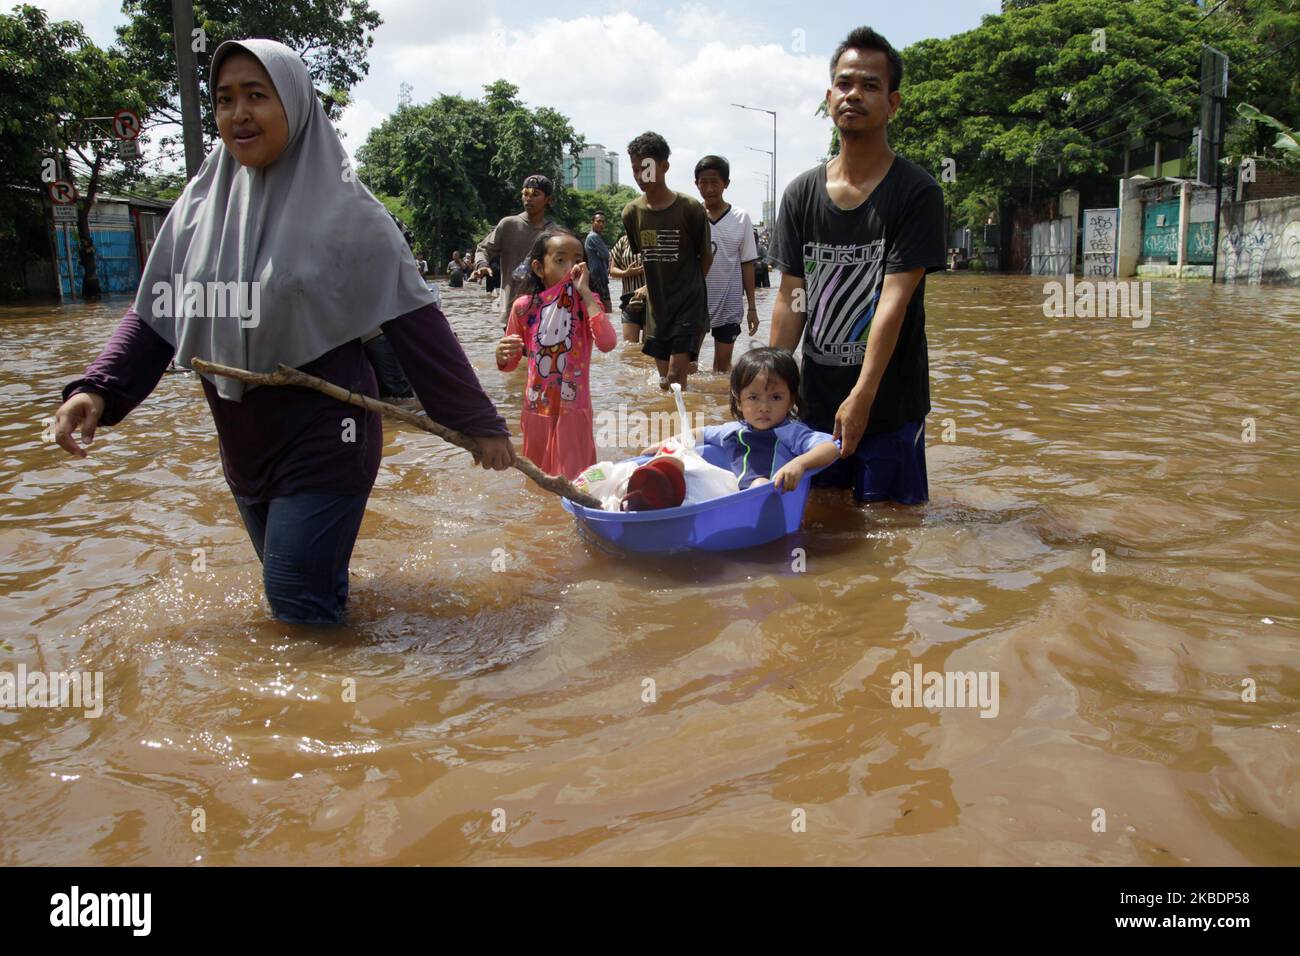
x,y
1238,16
1160,78
1148,122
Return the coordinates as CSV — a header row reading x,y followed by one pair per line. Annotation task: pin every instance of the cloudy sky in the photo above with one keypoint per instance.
x,y
619,68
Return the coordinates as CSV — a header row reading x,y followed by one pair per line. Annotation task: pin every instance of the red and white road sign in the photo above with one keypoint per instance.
x,y
62,192
126,124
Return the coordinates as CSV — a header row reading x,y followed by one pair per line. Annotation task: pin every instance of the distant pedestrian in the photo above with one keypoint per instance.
x,y
730,281
598,259
627,267
511,240
671,231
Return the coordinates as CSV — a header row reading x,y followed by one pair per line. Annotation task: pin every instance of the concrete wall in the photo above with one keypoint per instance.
x,y
1130,225
1199,249
1259,241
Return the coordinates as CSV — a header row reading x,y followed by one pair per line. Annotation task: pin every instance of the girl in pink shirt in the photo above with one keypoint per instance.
x,y
555,323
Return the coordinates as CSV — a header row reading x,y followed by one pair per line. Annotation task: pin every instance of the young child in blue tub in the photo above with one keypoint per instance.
x,y
767,443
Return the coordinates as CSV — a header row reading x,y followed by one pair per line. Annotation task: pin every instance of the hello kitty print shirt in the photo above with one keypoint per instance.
x,y
558,335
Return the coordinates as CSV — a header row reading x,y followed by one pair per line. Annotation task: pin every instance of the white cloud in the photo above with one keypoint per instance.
x,y
407,18
358,119
697,21
616,76
613,75
97,17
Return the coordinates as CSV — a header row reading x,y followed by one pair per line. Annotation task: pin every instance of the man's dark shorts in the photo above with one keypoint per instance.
x,y
889,466
636,316
680,343
726,334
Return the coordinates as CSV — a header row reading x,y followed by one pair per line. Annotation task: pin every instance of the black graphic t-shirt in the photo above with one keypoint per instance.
x,y
671,243
843,256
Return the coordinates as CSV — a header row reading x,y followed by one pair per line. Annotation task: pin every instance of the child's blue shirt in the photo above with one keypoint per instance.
x,y
756,453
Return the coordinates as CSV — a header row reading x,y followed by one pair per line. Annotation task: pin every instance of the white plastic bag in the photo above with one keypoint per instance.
x,y
607,481
704,482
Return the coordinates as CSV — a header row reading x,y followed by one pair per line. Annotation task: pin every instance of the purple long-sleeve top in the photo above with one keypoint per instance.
x,y
286,440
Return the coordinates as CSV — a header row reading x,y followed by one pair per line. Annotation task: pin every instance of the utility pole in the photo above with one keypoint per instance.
x,y
188,80
770,195
1214,94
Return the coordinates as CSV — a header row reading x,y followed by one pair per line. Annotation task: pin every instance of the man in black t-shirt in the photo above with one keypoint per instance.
x,y
854,242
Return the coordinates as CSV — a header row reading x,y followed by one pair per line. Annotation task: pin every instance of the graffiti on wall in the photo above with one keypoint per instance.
x,y
1100,242
1200,243
1261,241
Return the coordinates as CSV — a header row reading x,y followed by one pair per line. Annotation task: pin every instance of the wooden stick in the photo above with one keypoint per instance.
x,y
555,484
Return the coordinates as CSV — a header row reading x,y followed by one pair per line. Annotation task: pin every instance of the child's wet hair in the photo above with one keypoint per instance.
x,y
754,363
533,283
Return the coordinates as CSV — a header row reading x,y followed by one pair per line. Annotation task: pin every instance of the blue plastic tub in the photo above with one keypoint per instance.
x,y
747,518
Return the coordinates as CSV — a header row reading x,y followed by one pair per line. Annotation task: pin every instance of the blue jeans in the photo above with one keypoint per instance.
x,y
305,543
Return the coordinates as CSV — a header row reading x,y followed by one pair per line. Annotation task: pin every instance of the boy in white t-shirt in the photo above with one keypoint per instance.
x,y
730,280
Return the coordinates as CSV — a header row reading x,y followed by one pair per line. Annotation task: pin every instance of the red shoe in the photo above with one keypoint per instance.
x,y
657,484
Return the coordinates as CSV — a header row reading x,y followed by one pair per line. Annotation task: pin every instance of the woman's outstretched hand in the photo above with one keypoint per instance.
x,y
83,411
495,453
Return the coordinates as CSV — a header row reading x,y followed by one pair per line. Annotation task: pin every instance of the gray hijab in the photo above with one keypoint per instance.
x,y
254,267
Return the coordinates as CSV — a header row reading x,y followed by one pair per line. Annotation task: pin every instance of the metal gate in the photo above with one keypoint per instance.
x,y
115,258
1160,231
1101,243
1051,247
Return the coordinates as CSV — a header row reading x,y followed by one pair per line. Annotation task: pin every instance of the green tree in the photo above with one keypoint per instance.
x,y
607,199
1271,84
1057,100
158,186
105,83
1287,141
54,78
36,70
1037,94
334,37
458,163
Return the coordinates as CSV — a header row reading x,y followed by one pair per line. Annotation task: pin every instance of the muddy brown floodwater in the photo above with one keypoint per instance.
x,y
501,665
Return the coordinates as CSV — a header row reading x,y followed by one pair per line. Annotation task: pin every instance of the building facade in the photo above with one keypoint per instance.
x,y
594,167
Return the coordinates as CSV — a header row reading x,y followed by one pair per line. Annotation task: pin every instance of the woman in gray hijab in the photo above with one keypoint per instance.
x,y
275,252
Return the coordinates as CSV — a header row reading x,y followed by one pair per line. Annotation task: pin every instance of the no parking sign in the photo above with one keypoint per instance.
x,y
126,124
62,192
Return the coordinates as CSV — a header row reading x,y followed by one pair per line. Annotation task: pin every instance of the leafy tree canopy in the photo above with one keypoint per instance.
x,y
458,163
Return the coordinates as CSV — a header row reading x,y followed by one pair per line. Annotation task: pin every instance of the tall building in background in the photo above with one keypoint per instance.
x,y
594,167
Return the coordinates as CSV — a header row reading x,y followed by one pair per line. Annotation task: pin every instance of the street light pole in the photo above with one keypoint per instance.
x,y
772,113
770,195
